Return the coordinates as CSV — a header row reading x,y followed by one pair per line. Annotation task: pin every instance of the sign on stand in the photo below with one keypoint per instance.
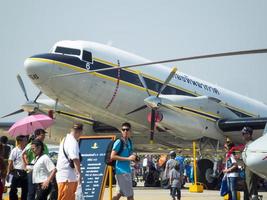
x,y
93,167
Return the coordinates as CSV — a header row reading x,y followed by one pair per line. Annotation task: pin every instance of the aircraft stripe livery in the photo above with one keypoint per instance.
x,y
190,108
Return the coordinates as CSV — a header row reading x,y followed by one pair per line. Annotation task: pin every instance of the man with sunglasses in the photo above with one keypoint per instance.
x,y
123,161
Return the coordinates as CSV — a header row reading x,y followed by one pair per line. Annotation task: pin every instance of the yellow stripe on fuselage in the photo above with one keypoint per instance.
x,y
145,75
75,68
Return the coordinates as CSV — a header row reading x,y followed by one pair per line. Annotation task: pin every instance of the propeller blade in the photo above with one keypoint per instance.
x,y
143,83
233,53
14,113
167,80
152,126
22,86
39,94
137,109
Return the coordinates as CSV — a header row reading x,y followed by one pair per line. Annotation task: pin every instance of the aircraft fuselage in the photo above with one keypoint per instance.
x,y
108,95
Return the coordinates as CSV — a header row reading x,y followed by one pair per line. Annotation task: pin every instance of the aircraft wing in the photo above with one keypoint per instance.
x,y
226,119
202,116
227,125
64,118
6,125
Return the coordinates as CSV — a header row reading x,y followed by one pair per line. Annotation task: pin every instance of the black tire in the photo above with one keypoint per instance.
x,y
204,172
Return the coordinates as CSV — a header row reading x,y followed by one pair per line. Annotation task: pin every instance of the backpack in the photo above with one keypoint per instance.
x,y
109,161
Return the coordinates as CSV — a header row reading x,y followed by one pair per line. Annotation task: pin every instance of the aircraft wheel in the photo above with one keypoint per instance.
x,y
205,172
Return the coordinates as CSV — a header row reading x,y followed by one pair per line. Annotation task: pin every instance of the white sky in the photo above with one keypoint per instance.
x,y
153,29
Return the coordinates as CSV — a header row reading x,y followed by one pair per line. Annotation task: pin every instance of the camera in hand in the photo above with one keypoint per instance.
x,y
137,158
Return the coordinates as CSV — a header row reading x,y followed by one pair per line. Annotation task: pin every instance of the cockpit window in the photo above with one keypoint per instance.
x,y
87,56
69,51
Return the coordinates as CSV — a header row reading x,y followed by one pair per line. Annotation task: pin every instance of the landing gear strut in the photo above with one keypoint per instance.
x,y
207,169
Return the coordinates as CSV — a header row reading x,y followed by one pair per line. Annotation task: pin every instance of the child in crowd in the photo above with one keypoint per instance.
x,y
175,182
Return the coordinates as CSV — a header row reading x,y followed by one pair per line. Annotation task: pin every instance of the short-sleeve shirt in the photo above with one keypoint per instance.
x,y
64,171
230,161
16,157
145,162
42,169
123,166
175,176
169,165
30,154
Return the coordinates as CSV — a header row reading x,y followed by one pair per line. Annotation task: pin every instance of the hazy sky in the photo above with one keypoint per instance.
x,y
153,29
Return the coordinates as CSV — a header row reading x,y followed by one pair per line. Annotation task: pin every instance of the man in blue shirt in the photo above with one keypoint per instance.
x,y
123,161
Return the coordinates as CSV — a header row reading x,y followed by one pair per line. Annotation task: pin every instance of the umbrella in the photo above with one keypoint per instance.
x,y
29,124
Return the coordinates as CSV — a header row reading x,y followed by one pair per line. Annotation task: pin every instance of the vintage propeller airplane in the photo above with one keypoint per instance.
x,y
112,86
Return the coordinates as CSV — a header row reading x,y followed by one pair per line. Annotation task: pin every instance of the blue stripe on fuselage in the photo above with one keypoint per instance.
x,y
125,75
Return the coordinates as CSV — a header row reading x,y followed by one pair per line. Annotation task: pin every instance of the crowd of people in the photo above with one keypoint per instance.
x,y
28,166
175,171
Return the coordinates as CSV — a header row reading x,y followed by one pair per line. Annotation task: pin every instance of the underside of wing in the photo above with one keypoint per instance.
x,y
229,125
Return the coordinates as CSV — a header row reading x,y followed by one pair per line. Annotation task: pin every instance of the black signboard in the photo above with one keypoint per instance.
x,y
93,167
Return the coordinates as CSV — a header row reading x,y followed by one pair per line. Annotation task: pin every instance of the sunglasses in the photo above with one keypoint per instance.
x,y
125,129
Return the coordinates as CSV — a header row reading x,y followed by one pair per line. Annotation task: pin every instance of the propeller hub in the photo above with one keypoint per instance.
x,y
30,106
152,102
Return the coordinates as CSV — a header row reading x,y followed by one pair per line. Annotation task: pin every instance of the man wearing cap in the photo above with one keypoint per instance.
x,y
29,157
68,164
250,189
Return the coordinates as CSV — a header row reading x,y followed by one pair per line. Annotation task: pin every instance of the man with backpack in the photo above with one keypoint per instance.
x,y
122,152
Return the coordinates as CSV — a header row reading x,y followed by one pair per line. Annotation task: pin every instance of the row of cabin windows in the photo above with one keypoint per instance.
x,y
86,55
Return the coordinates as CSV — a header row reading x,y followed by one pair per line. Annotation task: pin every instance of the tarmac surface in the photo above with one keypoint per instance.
x,y
150,193
155,193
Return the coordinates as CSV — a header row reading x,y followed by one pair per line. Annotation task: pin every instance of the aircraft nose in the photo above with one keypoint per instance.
x,y
38,69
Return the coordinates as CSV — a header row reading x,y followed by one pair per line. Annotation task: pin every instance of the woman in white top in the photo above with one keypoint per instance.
x,y
43,172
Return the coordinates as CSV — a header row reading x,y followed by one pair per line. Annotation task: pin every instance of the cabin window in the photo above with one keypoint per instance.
x,y
87,56
69,51
169,90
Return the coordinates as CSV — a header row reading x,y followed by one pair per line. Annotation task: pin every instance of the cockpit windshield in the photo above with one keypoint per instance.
x,y
69,51
87,56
